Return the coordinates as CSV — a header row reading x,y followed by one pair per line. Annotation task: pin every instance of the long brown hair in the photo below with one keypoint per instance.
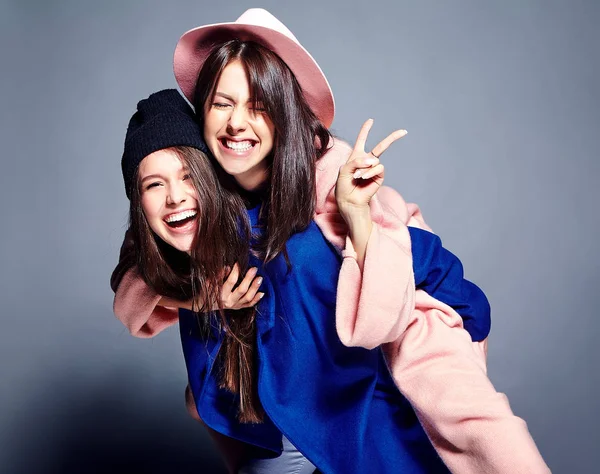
x,y
222,239
289,205
300,138
169,271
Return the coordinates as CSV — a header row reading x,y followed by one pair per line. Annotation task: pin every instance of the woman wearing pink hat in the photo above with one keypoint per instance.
x,y
294,368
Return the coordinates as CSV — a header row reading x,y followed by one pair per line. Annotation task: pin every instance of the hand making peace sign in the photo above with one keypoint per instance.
x,y
362,175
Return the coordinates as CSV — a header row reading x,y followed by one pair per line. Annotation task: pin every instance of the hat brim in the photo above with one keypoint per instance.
x,y
195,45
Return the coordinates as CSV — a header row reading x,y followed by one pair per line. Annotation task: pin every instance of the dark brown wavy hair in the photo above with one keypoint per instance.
x,y
300,138
222,239
289,205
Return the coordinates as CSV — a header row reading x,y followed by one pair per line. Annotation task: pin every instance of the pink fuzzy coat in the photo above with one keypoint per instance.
x,y
431,357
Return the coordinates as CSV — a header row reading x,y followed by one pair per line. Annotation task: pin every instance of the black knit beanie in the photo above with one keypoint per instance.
x,y
162,120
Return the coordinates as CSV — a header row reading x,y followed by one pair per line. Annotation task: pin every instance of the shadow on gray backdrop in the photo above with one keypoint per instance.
x,y
96,431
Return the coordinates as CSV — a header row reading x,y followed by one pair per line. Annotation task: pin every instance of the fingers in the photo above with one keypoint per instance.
x,y
382,146
231,279
255,300
386,142
361,140
252,296
376,171
356,167
246,294
242,288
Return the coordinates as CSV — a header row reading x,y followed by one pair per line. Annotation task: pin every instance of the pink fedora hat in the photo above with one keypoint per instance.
x,y
260,26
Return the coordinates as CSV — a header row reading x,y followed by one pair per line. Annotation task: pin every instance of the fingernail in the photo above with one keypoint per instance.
x,y
357,174
260,296
259,281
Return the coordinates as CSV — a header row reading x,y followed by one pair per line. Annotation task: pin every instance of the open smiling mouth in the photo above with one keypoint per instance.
x,y
239,146
181,219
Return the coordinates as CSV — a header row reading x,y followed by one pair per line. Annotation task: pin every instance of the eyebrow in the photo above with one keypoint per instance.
x,y
185,169
228,97
225,96
151,176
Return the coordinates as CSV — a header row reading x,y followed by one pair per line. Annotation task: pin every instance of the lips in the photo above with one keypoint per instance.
x,y
237,146
180,219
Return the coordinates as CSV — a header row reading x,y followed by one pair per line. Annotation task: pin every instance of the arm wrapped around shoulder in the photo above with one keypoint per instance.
x,y
136,306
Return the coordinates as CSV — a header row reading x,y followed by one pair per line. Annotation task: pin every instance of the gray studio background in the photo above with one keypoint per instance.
x,y
501,102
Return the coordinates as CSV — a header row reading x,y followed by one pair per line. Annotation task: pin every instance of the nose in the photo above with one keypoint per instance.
x,y
177,194
238,120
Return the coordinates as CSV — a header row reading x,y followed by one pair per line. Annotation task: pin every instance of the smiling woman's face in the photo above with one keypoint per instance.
x,y
168,198
239,137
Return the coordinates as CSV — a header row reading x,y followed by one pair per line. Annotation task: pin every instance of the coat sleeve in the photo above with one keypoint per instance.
x,y
135,304
386,285
433,360
442,373
438,271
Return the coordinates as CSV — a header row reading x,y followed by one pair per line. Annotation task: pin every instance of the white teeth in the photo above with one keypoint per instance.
x,y
181,216
239,146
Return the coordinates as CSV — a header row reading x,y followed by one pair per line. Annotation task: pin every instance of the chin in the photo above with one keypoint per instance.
x,y
232,169
185,247
181,245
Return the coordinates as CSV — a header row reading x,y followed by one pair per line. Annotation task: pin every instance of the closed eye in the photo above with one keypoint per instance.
x,y
221,105
153,185
258,107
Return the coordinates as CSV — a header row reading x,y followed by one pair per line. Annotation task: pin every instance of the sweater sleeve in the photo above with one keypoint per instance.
x,y
442,373
433,360
386,285
135,304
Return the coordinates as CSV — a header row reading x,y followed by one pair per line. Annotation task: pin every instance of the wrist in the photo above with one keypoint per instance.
x,y
359,226
353,212
357,220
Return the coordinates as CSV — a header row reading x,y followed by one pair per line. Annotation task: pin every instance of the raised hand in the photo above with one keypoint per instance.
x,y
362,175
358,181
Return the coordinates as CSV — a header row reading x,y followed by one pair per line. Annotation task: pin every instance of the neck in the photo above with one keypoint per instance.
x,y
252,180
